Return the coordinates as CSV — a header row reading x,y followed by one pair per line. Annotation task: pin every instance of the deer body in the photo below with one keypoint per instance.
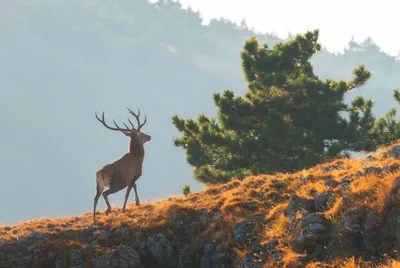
x,y
126,170
120,172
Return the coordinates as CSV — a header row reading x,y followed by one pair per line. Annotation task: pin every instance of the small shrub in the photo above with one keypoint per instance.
x,y
186,190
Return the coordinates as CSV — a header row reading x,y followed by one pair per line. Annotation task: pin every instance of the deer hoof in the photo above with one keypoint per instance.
x,y
137,203
123,210
108,211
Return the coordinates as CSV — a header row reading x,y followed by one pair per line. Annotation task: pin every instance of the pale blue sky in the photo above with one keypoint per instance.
x,y
337,22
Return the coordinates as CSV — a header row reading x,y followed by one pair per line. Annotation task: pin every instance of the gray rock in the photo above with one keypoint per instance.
x,y
52,255
345,180
394,152
274,253
58,264
309,243
209,248
249,263
307,179
160,249
130,256
31,247
369,158
220,238
274,197
346,237
257,248
331,183
332,167
104,235
105,260
221,247
127,233
359,174
206,260
89,229
123,256
252,206
77,257
217,214
392,168
371,236
24,261
374,170
298,243
221,259
396,183
312,236
315,228
38,236
271,244
188,257
313,218
21,242
245,232
321,202
203,216
386,169
139,236
33,236
299,204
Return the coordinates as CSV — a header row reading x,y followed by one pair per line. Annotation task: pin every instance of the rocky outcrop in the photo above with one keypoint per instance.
x,y
122,256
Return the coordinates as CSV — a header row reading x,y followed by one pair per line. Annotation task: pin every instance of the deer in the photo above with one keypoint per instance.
x,y
125,171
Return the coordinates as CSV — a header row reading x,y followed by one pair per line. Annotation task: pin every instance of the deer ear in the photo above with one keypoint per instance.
x,y
126,133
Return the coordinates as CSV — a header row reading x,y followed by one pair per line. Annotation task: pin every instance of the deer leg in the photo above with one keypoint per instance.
x,y
136,194
111,190
105,196
126,197
116,185
96,198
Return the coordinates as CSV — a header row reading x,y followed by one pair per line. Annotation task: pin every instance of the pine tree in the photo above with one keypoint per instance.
x,y
387,129
287,120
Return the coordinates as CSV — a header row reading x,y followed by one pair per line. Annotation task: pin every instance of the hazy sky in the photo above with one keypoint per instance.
x,y
337,22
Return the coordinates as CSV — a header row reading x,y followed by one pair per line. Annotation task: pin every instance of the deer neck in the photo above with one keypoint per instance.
x,y
136,147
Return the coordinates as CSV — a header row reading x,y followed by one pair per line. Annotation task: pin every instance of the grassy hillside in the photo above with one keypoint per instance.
x,y
343,213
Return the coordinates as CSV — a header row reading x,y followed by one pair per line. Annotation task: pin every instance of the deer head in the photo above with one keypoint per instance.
x,y
133,133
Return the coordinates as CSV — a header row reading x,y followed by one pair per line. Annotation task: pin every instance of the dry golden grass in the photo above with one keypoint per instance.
x,y
291,259
279,229
353,262
264,196
391,264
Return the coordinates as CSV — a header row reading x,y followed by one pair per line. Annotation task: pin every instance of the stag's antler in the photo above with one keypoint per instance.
x,y
137,118
102,120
